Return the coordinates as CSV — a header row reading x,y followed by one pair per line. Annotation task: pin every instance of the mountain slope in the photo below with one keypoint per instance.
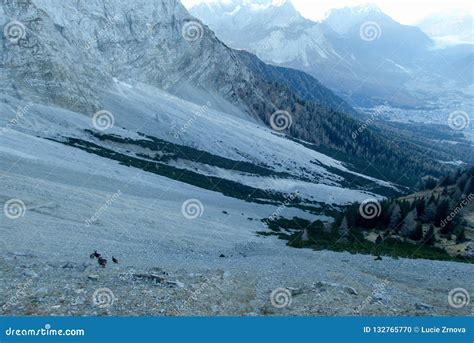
x,y
160,45
113,138
304,85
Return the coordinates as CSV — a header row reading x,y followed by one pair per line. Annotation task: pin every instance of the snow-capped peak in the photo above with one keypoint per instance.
x,y
234,6
342,19
355,10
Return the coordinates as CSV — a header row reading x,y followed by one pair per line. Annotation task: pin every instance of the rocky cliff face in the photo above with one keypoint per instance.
x,y
65,52
38,58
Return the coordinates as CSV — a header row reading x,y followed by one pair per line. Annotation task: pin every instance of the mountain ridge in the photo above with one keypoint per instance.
x,y
361,54
161,45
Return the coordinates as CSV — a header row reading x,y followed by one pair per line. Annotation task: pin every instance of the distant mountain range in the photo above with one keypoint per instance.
x,y
360,53
449,28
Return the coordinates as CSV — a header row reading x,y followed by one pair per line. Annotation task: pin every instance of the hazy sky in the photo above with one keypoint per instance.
x,y
404,11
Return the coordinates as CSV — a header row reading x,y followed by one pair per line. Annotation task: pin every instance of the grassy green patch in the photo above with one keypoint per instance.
x,y
223,186
170,151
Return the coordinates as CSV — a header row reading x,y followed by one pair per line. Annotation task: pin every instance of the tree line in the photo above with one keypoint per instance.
x,y
437,211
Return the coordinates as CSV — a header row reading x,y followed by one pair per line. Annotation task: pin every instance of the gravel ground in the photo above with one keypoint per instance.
x,y
260,280
215,264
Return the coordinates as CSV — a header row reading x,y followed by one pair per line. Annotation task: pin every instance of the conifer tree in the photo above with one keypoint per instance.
x,y
409,224
395,217
430,236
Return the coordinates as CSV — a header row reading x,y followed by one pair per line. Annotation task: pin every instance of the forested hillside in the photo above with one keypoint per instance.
x,y
434,223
